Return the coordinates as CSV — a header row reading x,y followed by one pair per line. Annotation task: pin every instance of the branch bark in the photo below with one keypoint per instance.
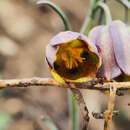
x,y
108,114
96,84
83,107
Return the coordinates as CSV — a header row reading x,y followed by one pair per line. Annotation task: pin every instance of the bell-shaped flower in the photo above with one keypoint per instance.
x,y
71,56
113,44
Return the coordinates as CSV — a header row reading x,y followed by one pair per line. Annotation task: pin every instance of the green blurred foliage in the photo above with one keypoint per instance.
x,y
4,121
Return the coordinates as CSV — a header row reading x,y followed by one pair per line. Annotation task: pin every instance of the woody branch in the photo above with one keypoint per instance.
x,y
95,84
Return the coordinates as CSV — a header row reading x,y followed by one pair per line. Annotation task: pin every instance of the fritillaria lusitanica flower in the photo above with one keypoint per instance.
x,y
71,56
113,43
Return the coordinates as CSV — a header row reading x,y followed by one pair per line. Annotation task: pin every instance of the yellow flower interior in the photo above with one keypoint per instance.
x,y
71,56
74,60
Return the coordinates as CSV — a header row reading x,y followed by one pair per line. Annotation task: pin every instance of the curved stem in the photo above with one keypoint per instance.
x,y
126,14
71,100
106,10
57,10
101,14
125,3
88,22
73,110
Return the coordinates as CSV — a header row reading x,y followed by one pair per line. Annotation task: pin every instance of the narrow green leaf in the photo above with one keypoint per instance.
x,y
73,111
49,124
58,10
4,121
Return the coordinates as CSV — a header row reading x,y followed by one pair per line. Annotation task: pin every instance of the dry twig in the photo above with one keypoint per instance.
x,y
108,114
83,107
96,84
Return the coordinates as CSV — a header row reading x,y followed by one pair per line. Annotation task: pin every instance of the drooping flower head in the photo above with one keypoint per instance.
x,y
113,43
72,56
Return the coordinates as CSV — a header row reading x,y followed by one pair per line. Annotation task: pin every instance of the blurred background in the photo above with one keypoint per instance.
x,y
25,31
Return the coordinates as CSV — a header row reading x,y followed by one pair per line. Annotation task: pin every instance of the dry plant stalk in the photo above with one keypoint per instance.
x,y
83,108
108,114
95,84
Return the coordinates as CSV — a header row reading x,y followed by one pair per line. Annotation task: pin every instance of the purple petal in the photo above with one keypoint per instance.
x,y
64,37
121,44
101,36
95,33
50,54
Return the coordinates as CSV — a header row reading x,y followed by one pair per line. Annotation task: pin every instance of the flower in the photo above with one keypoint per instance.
x,y
113,43
71,56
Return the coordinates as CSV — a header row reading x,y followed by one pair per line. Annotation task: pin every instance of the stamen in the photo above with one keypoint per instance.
x,y
72,58
70,54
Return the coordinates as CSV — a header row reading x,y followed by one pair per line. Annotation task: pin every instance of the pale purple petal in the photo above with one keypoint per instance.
x,y
50,54
121,44
95,33
102,39
64,37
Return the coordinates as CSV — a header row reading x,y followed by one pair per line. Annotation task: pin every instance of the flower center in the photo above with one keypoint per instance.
x,y
70,54
72,58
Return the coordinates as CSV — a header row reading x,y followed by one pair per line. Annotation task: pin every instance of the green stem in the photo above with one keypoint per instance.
x,y
89,21
126,14
49,124
57,10
125,3
106,10
71,99
101,15
73,111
